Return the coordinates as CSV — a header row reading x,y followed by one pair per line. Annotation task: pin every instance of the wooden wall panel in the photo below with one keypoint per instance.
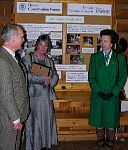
x,y
1,9
1,21
68,1
5,13
122,11
98,20
120,19
33,0
121,1
86,1
122,25
29,18
8,8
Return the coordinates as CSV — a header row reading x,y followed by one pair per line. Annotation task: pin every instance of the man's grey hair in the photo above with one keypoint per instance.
x,y
10,30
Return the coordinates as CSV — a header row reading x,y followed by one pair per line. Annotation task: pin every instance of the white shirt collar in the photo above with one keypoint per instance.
x,y
10,52
110,52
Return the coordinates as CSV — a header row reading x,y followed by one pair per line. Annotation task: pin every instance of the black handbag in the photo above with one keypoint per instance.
x,y
122,95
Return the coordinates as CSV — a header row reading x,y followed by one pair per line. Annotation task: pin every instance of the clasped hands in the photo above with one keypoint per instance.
x,y
106,96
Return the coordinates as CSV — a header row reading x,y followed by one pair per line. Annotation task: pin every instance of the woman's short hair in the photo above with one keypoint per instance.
x,y
114,36
46,39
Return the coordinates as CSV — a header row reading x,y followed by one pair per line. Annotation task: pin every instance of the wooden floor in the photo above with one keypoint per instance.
x,y
89,145
120,144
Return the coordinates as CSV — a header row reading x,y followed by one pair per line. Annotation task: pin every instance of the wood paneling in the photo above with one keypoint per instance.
x,y
32,0
86,1
122,25
5,13
121,1
122,11
120,18
1,9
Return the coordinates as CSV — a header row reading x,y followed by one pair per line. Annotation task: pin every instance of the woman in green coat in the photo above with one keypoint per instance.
x,y
107,77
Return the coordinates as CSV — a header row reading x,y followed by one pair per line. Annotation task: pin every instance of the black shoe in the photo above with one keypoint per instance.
x,y
109,143
101,143
108,147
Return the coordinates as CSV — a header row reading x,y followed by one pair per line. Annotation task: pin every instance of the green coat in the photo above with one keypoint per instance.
x,y
105,113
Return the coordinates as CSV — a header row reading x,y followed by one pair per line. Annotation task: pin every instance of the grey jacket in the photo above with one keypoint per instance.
x,y
36,82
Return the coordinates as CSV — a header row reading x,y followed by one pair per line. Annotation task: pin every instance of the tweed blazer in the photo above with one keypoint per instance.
x,y
14,102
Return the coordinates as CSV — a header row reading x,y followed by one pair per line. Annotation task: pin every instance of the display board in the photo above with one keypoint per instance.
x,y
74,29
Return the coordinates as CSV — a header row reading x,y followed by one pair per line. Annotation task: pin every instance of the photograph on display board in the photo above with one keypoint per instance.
x,y
73,38
30,45
88,40
57,44
57,59
73,49
76,59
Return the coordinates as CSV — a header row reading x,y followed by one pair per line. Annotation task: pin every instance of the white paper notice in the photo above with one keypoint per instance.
x,y
34,30
126,88
56,35
64,19
76,76
124,106
34,7
34,34
88,50
86,28
56,51
42,27
89,9
70,67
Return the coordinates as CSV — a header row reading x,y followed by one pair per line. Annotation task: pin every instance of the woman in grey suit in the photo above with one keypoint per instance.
x,y
41,126
14,106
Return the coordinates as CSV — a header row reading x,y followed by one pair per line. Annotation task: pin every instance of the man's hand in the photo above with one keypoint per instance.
x,y
18,126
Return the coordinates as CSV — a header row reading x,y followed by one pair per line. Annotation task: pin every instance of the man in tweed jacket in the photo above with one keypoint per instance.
x,y
14,106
